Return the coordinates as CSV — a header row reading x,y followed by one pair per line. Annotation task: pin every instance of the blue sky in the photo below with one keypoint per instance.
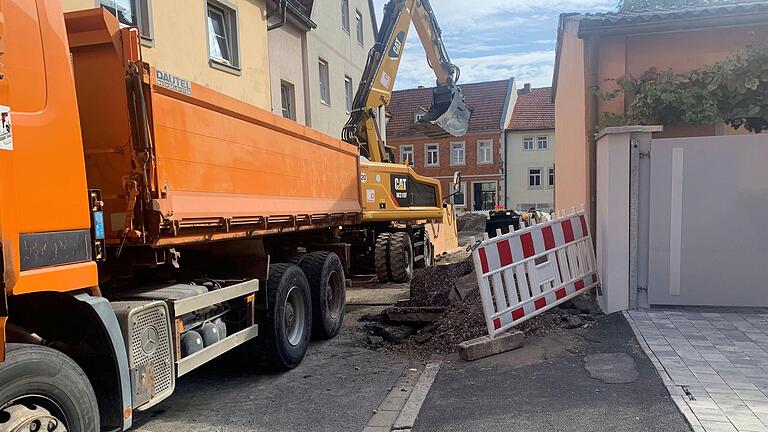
x,y
494,39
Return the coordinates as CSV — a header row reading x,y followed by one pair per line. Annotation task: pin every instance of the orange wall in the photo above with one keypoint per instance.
x,y
570,130
621,55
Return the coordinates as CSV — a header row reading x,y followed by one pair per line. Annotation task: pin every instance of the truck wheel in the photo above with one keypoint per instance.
x,y
381,256
401,257
43,389
286,324
325,275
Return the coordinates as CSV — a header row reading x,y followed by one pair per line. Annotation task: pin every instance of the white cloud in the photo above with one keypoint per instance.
x,y
494,39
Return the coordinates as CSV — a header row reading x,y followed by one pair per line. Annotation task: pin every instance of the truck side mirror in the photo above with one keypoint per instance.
x,y
456,181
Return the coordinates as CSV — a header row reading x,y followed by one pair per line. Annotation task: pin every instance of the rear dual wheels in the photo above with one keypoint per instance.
x,y
327,283
393,257
303,298
42,389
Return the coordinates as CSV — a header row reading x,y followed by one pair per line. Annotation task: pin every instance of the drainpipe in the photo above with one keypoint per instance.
x,y
592,50
282,7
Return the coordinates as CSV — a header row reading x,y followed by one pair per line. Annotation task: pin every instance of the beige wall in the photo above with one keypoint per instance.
x,y
519,161
571,175
180,46
345,57
287,63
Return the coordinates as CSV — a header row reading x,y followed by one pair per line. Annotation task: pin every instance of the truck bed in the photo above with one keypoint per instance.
x,y
205,166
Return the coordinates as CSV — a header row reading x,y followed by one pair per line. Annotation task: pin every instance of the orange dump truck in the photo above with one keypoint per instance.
x,y
144,221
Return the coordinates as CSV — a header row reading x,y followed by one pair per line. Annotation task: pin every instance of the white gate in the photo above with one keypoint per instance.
x,y
526,272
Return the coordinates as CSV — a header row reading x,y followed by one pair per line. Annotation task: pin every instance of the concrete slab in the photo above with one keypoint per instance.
x,y
377,296
485,346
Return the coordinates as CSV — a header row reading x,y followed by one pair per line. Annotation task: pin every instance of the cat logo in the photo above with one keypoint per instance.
x,y
401,184
397,45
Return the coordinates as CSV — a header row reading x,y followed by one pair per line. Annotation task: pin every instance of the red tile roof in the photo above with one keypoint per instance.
x,y
534,110
487,100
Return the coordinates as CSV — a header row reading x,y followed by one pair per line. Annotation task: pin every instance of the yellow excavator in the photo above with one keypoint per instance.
x,y
398,204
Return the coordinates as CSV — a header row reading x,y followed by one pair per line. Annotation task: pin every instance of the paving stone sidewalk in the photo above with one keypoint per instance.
x,y
714,363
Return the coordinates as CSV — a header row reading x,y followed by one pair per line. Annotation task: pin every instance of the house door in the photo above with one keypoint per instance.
x,y
483,196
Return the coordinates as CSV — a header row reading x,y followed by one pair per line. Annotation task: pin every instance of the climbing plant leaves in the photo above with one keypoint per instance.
x,y
734,91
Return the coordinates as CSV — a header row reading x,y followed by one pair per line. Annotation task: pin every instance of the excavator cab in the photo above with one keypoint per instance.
x,y
448,116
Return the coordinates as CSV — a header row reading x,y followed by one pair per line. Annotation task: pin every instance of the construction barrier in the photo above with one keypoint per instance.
x,y
529,271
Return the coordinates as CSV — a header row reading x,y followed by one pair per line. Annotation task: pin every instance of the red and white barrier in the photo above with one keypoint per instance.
x,y
526,272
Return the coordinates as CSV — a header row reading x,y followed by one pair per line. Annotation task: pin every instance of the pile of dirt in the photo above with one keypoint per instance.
x,y
431,286
453,287
471,223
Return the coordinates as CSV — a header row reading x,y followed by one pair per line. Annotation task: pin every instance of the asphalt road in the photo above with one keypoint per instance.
x,y
544,386
336,388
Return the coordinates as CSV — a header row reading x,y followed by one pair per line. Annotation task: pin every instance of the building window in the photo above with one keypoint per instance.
x,y
359,26
543,142
551,177
432,154
348,94
484,196
527,143
132,13
406,154
485,152
288,98
417,117
345,15
534,177
459,199
325,89
458,153
222,35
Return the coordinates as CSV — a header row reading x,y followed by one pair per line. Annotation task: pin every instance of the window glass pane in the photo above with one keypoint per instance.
x,y
534,177
218,35
543,143
325,95
345,14
551,176
124,10
348,92
359,18
528,143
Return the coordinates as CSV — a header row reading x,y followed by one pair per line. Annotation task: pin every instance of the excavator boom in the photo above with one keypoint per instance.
x,y
448,115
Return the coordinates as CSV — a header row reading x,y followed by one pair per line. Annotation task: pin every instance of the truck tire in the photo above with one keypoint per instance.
x,y
401,257
381,257
325,275
43,386
286,325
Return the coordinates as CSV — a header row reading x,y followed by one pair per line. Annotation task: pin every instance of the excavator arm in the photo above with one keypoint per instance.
x,y
448,114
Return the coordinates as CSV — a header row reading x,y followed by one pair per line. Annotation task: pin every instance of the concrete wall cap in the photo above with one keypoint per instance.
x,y
614,130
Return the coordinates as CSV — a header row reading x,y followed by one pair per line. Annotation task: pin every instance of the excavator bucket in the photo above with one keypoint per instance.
x,y
448,115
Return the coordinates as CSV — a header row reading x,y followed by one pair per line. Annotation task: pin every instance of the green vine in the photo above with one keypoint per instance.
x,y
734,91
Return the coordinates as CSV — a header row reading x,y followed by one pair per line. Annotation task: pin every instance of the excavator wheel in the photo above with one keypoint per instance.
x,y
381,256
401,257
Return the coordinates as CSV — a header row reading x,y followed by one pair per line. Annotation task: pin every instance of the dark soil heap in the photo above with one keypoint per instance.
x,y
463,318
431,286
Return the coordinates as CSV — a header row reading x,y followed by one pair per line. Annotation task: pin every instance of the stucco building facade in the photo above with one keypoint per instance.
x,y
336,53
530,151
221,44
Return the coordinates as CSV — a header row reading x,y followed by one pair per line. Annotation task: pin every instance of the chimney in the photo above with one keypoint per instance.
x,y
527,88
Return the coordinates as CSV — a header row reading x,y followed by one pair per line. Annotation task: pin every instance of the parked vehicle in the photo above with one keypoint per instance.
x,y
149,225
